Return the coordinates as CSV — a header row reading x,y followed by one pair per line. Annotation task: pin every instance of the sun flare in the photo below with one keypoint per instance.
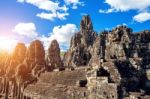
x,y
7,44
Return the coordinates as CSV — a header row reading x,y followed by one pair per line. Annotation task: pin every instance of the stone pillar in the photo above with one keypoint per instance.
x,y
6,90
18,91
4,85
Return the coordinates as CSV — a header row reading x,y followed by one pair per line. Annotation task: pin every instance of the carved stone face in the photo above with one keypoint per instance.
x,y
86,24
36,51
114,37
19,52
120,34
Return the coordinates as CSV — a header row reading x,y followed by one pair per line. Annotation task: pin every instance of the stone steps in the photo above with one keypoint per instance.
x,y
58,85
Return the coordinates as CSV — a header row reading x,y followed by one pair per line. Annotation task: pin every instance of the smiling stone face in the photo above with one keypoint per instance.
x,y
54,60
20,52
36,52
120,33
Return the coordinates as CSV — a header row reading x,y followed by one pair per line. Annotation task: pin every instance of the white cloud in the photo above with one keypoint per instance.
x,y
107,11
21,1
22,32
52,16
51,9
124,24
47,5
62,34
74,3
62,15
47,16
26,29
83,14
26,32
125,5
141,17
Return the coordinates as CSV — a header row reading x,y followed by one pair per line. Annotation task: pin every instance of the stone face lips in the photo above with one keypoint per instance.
x,y
53,59
79,52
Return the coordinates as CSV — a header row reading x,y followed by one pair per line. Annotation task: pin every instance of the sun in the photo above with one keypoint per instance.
x,y
7,44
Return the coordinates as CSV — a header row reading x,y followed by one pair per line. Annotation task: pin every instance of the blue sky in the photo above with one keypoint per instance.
x,y
26,20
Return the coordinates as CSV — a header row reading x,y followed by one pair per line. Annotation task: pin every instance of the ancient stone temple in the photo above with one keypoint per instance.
x,y
111,64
